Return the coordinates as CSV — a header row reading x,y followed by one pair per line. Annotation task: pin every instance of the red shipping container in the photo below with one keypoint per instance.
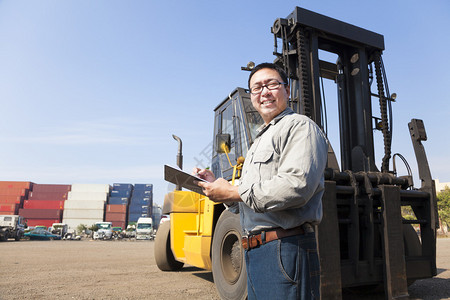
x,y
52,188
15,184
13,191
40,213
41,222
43,204
11,199
14,208
110,216
123,225
116,208
47,196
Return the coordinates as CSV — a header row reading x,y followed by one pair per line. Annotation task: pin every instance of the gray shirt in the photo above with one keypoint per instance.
x,y
282,180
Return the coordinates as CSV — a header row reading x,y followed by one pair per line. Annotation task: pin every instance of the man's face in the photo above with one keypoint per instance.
x,y
269,103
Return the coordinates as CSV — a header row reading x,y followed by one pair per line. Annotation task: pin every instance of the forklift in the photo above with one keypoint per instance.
x,y
364,242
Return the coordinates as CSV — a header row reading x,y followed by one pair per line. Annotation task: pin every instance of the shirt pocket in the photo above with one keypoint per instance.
x,y
263,161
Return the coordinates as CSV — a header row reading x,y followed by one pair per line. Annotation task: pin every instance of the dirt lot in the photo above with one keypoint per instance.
x,y
126,270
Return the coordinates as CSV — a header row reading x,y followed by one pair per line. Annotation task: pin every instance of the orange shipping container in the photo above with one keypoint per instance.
x,y
109,217
13,208
13,191
116,208
15,184
11,199
43,204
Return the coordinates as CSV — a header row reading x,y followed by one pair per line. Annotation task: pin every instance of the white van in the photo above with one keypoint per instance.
x,y
104,231
144,229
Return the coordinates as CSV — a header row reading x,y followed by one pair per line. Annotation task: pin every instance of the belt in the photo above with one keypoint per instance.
x,y
253,241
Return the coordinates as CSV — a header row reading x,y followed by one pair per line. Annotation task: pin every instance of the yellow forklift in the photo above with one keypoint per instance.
x,y
364,242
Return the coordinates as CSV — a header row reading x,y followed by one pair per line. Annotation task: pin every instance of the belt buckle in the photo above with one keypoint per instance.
x,y
245,243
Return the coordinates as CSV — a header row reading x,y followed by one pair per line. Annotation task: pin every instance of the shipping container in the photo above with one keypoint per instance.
x,y
141,201
135,217
11,199
82,204
13,208
118,200
51,188
41,222
75,222
143,186
96,188
43,204
111,216
7,213
121,193
87,196
122,186
83,214
16,184
14,192
139,209
116,208
40,213
141,193
120,224
47,195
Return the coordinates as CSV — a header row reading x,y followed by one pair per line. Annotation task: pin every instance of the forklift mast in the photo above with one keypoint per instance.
x,y
303,33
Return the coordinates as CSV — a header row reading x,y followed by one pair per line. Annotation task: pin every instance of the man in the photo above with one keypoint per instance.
x,y
279,194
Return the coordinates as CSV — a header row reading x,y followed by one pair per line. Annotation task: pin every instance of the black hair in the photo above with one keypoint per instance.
x,y
272,66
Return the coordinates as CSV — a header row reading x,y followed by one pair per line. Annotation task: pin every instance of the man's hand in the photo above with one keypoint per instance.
x,y
205,174
220,191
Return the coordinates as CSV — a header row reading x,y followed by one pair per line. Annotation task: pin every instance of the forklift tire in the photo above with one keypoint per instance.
x,y
228,264
163,252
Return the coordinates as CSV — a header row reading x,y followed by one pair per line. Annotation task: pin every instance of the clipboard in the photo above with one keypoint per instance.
x,y
186,180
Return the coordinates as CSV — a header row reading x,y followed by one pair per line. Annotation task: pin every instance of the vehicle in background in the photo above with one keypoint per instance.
x,y
41,234
117,233
130,232
144,229
104,231
11,227
64,231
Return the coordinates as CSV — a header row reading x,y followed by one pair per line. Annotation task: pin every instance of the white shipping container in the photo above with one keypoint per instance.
x,y
87,196
83,213
83,204
96,188
73,223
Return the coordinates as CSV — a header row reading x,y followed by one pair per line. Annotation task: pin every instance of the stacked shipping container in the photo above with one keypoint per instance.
x,y
12,195
117,208
45,204
141,202
85,204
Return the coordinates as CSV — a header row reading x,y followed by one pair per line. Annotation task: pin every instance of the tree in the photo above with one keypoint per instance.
x,y
443,204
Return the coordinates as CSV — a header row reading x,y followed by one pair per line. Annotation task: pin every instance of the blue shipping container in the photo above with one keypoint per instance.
x,y
122,186
120,193
141,201
143,186
135,217
141,193
139,209
118,200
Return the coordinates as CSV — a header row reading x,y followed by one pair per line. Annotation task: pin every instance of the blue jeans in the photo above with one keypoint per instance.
x,y
287,268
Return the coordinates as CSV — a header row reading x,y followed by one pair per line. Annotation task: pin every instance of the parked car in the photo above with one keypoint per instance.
x,y
41,234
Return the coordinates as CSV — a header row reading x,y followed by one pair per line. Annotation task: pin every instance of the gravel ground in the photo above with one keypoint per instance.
x,y
126,270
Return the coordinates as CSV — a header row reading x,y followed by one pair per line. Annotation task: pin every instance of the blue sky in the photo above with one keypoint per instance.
x,y
92,91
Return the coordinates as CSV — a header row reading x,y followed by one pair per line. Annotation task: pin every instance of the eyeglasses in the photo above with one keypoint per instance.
x,y
273,85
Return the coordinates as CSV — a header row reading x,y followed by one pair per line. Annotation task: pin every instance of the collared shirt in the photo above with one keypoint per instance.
x,y
282,180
